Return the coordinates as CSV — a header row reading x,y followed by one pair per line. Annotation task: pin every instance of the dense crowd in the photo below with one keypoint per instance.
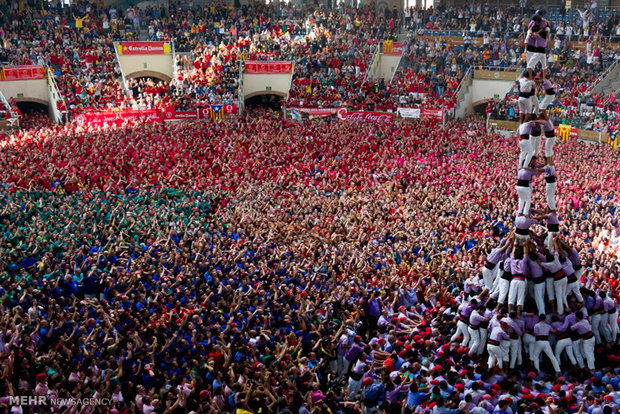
x,y
262,265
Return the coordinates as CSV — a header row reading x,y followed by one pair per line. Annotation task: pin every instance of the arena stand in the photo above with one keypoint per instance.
x,y
262,264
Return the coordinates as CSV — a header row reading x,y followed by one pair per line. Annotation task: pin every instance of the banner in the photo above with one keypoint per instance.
x,y
367,116
298,113
408,112
171,114
392,48
217,111
31,72
433,113
613,139
143,48
118,117
257,67
564,132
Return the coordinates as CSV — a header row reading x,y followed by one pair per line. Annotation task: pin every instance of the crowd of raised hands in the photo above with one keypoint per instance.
x,y
264,265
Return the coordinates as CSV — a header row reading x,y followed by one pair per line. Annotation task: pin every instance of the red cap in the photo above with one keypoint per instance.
x,y
608,398
367,381
532,375
459,387
41,377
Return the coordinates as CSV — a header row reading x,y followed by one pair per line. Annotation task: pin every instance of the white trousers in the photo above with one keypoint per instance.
x,y
495,356
559,288
484,333
539,297
550,193
588,352
525,199
536,139
604,329
487,276
577,350
535,104
536,58
565,345
528,344
612,320
549,143
516,296
546,101
461,329
502,288
544,346
525,105
549,244
474,343
516,356
595,320
574,288
526,154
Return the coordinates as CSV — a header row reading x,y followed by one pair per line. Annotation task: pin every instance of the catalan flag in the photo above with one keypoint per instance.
x,y
564,132
613,139
216,112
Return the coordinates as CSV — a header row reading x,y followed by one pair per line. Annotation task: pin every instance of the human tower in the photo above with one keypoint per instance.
x,y
533,297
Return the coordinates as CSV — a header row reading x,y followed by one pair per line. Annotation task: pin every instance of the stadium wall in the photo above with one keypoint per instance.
x,y
27,90
156,66
259,84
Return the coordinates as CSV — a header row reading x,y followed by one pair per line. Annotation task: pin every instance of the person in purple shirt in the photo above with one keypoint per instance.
x,y
573,285
549,131
493,258
541,332
463,321
536,44
609,308
597,314
569,320
520,273
517,328
475,319
523,224
564,340
524,189
525,145
556,282
530,320
496,356
549,89
586,339
537,277
553,229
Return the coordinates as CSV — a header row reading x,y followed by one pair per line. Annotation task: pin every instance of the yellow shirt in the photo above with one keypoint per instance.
x,y
79,23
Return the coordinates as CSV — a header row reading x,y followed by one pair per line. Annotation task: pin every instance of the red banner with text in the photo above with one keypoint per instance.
x,y
171,114
13,73
367,116
433,113
118,118
143,48
256,67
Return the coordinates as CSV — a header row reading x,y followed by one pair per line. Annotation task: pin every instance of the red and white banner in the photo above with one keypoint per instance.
x,y
257,67
30,72
118,117
208,111
433,113
392,48
367,116
574,132
312,112
170,114
143,48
